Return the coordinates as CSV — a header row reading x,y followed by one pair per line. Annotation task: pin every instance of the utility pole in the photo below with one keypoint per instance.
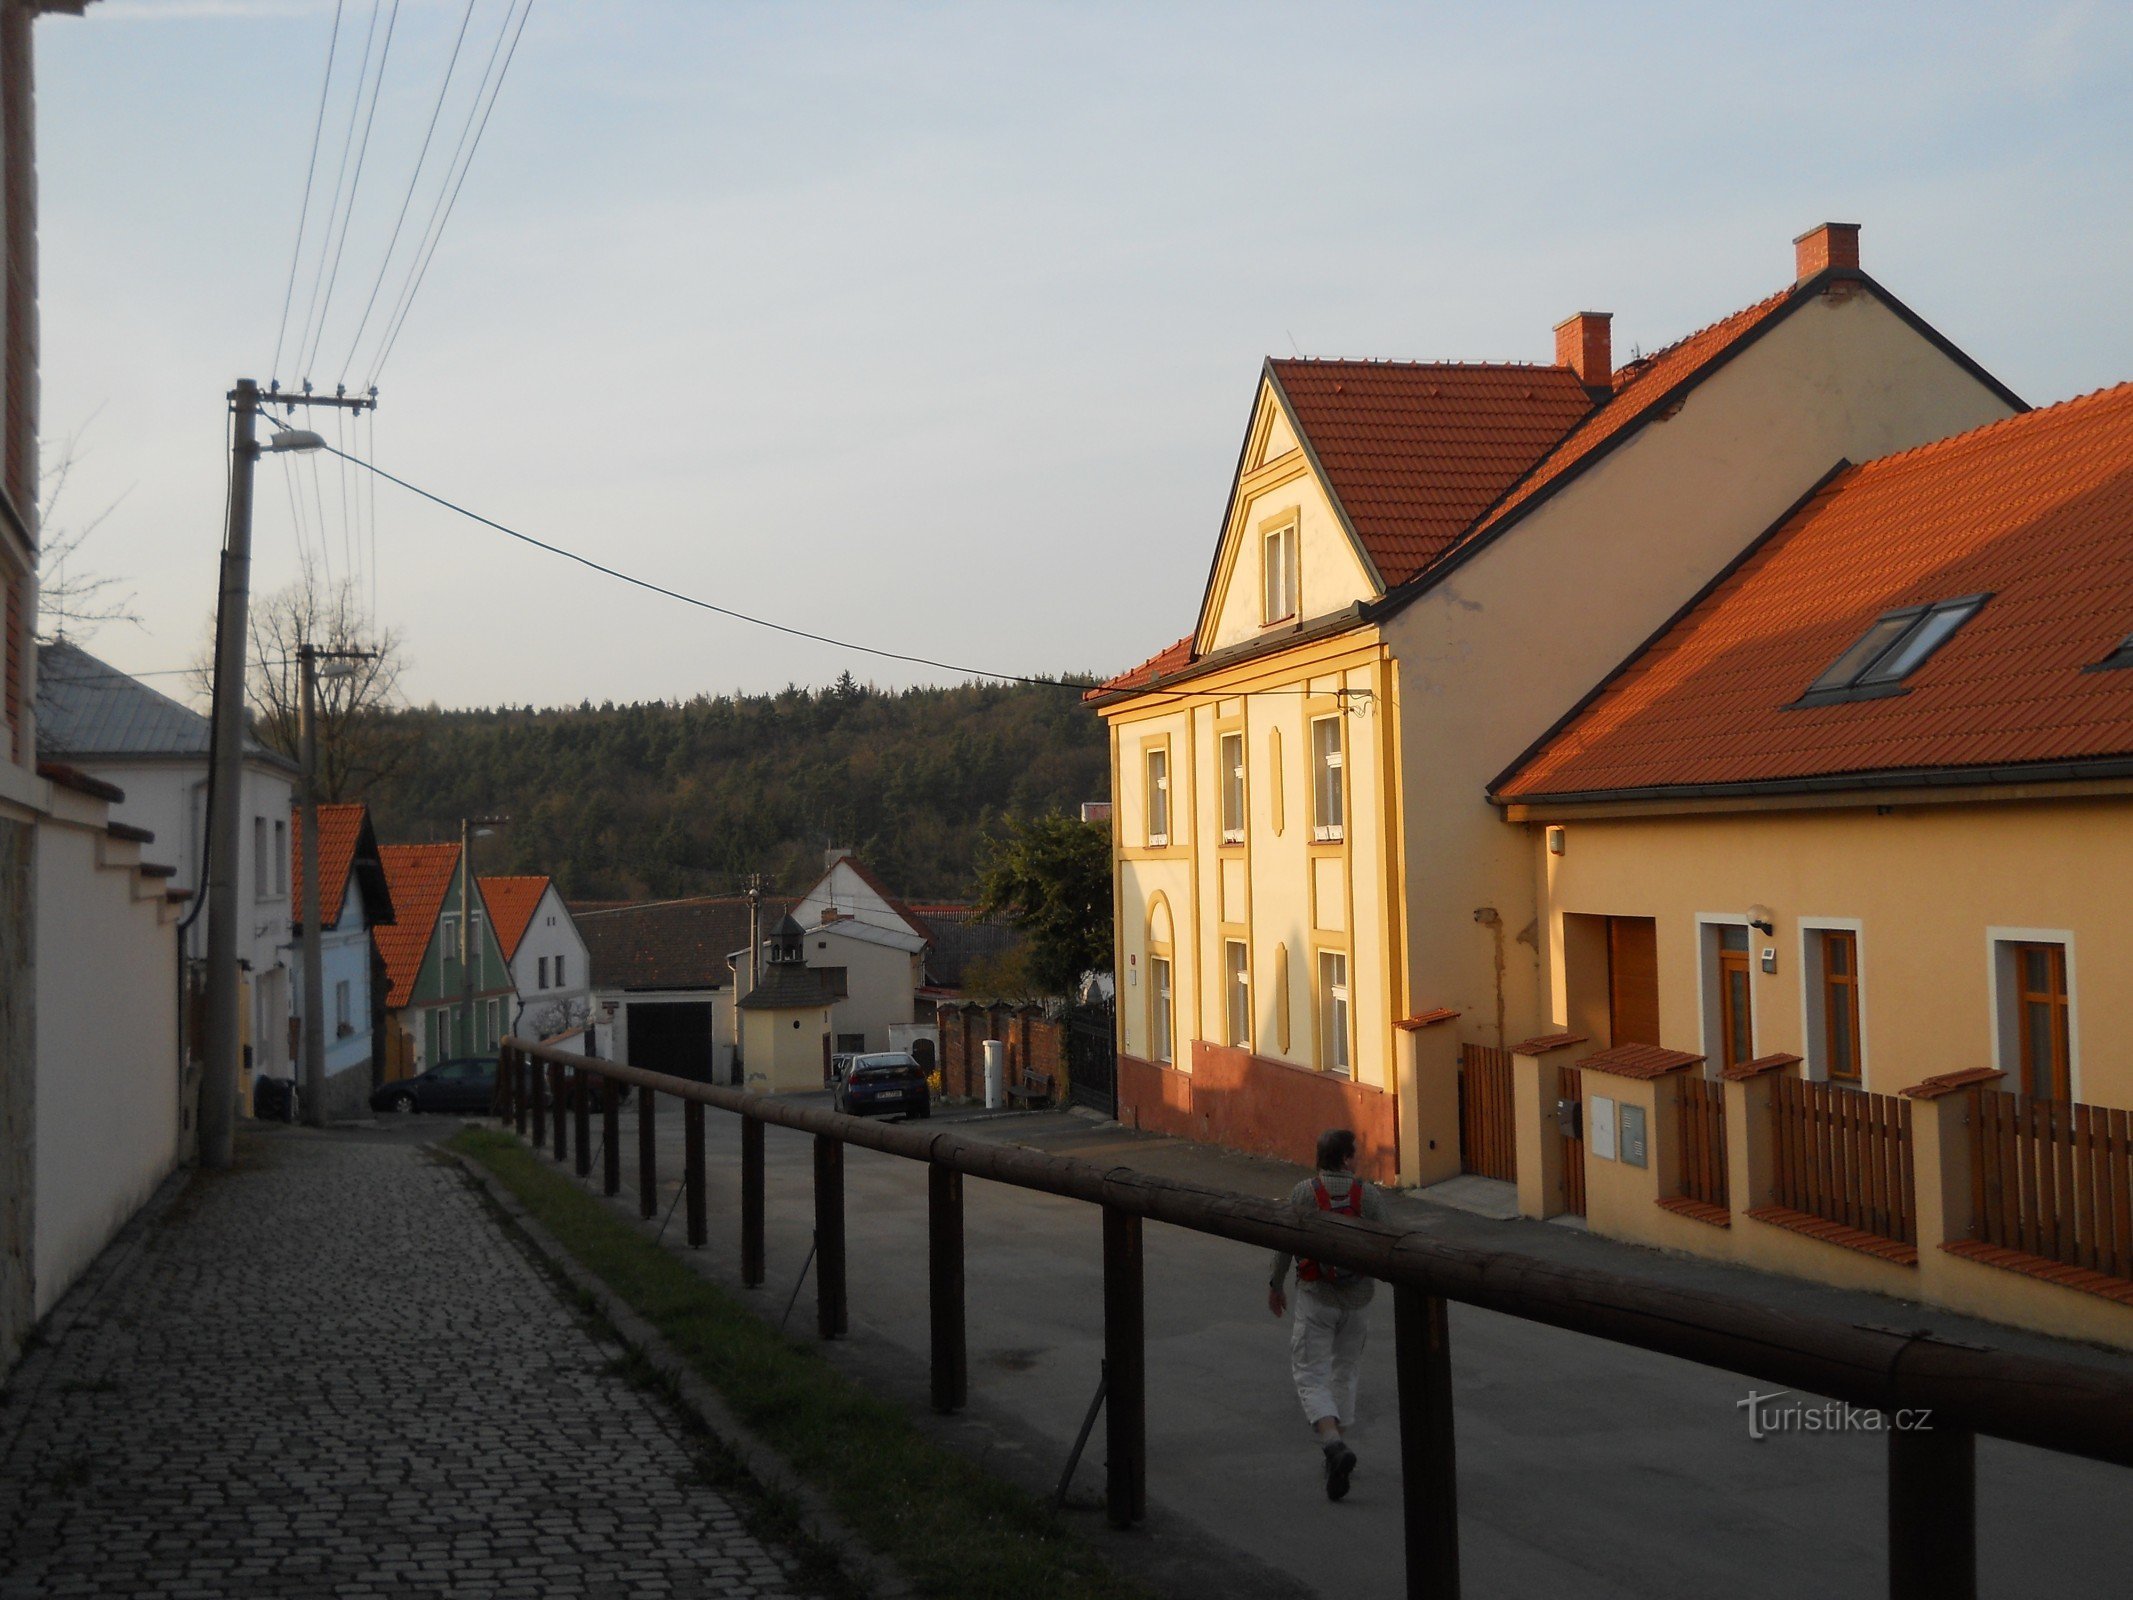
x,y
470,829
218,1083
308,657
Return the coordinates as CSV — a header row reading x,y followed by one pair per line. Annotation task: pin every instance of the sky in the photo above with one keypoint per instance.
x,y
936,327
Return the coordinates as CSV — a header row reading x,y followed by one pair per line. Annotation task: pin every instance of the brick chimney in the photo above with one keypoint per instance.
x,y
1585,344
1833,244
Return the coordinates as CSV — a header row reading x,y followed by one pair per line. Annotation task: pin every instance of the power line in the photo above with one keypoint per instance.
x,y
303,212
340,176
413,179
377,86
432,239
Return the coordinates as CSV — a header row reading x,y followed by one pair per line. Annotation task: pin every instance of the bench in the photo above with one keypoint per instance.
x,y
1034,1089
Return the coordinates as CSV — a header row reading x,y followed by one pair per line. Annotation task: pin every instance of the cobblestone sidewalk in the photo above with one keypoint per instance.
x,y
329,1372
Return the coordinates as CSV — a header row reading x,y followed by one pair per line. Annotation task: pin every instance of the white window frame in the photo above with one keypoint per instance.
x,y
2005,1019
541,973
1710,1013
281,858
1229,759
1280,581
559,983
341,999
1162,1020
1336,1016
1812,1032
1237,993
1329,779
1156,802
262,882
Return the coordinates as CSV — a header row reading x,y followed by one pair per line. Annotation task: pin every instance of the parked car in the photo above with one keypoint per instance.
x,y
466,1083
888,1084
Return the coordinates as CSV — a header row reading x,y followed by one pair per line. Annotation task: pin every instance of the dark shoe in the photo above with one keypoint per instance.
x,y
1340,1463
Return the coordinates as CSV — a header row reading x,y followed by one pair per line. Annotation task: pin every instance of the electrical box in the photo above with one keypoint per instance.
x,y
1633,1136
1770,958
1600,1126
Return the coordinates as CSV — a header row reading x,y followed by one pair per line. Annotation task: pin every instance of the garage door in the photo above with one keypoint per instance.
x,y
674,1038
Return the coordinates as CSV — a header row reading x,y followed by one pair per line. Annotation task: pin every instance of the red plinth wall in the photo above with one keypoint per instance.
x,y
1269,1108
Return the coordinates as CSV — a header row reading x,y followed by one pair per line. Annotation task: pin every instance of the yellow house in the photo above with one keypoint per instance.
x,y
1850,840
1420,566
784,1021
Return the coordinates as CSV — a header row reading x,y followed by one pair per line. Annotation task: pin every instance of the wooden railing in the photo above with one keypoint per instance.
x,y
2054,1178
2077,1409
1488,1142
1701,1109
1845,1156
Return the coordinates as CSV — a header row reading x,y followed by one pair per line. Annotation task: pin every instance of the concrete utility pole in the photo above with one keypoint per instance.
x,y
470,829
308,657
218,1083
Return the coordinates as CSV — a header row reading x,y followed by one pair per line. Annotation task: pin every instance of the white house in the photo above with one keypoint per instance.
x,y
550,966
870,948
101,722
353,899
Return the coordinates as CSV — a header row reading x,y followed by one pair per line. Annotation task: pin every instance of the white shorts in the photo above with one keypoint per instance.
x,y
1326,1355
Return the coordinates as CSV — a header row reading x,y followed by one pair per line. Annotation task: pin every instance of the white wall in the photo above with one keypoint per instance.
x,y
107,1118
882,982
549,936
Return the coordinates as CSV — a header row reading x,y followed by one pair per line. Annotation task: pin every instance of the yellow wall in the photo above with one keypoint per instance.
x,y
782,1050
1492,656
1928,886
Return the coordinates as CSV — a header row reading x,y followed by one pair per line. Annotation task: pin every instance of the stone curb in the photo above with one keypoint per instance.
x,y
872,1572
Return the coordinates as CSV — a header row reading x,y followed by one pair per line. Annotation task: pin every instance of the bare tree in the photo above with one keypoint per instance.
x,y
70,599
358,741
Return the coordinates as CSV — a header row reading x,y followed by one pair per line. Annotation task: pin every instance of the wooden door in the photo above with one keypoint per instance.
x,y
1632,980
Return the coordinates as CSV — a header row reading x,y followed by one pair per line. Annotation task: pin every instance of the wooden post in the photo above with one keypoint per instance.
x,y
559,1108
944,1260
692,1171
538,1082
610,1136
1932,1513
581,1108
1428,1476
751,1202
519,1097
829,1236
1125,1364
500,1101
647,1157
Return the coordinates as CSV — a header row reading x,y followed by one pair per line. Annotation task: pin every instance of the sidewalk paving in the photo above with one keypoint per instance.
x,y
1586,1468
329,1371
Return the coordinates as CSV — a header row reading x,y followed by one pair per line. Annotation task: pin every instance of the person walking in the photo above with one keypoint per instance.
x,y
1326,1339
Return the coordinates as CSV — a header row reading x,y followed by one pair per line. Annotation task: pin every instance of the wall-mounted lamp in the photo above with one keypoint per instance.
x,y
1555,840
1763,920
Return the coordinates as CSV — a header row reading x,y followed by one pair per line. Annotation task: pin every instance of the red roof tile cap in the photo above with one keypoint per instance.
x,y
1427,1019
1761,1064
1643,1061
1541,1044
1948,1083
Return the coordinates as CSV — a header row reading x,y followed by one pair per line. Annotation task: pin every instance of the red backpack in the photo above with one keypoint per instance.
x,y
1351,1205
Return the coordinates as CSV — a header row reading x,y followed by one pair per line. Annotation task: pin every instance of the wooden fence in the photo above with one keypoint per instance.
x,y
2054,1178
1487,1142
1702,1113
1570,1085
1845,1156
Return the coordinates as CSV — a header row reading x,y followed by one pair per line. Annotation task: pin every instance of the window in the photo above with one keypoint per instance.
x,y
559,983
836,984
1159,1016
1328,795
260,870
281,858
1237,992
448,930
1894,647
1730,1019
851,1044
2120,657
1839,1034
1232,759
541,975
1279,570
2042,1018
1333,1011
341,1023
1159,795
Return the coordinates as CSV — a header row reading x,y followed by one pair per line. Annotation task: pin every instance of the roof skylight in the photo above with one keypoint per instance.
x,y
2120,657
1895,646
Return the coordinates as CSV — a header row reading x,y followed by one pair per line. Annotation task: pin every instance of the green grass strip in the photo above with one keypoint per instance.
x,y
954,1530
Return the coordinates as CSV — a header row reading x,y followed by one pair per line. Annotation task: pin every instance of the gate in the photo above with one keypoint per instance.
x,y
1486,1142
1092,1058
1570,1087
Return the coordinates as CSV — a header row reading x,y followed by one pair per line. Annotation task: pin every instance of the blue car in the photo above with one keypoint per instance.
x,y
885,1085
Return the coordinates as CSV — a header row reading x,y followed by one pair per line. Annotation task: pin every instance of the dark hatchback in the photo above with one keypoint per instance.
x,y
886,1085
465,1084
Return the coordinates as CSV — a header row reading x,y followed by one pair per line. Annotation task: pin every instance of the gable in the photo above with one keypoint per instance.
x,y
849,889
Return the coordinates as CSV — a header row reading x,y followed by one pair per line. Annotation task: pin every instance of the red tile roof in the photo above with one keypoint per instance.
x,y
2036,510
512,902
1415,451
1171,658
420,876
340,827
1641,388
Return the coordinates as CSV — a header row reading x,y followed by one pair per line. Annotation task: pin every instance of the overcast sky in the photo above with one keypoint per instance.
x,y
936,327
